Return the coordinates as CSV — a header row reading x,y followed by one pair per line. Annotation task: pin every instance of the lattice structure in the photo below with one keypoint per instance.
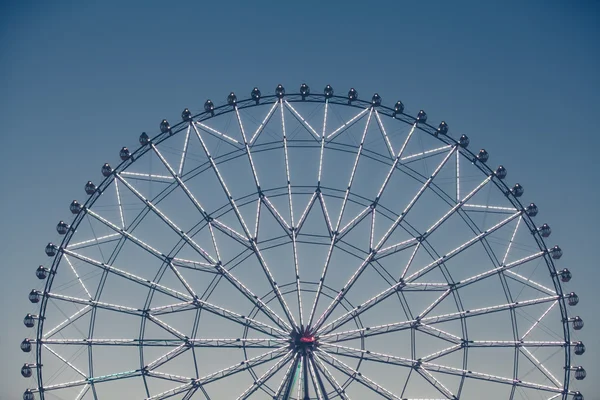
x,y
303,246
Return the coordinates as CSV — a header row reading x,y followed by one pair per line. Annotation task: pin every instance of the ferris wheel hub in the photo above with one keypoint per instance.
x,y
303,341
307,339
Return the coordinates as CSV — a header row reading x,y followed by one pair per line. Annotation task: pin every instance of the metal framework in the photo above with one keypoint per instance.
x,y
303,246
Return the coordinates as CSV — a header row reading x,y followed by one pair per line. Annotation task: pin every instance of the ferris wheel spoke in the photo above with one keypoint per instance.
x,y
398,287
397,326
461,248
184,151
65,361
287,385
321,281
83,392
537,321
492,378
512,239
302,380
486,310
490,209
355,312
366,355
346,125
291,206
184,236
435,303
519,343
255,300
320,172
190,393
394,166
94,242
335,232
385,135
214,242
182,280
317,385
232,233
78,277
224,373
356,220
413,201
416,364
322,368
357,376
442,353
409,262
342,293
222,312
325,114
298,286
436,383
276,214
261,343
69,320
439,333
459,204
395,248
257,222
307,209
322,150
529,355
303,121
264,123
423,154
457,176
367,305
127,235
94,303
353,171
89,381
325,213
427,287
219,135
252,241
171,378
165,358
372,233
209,220
227,274
528,282
399,247
119,204
148,177
500,269
258,383
124,274
165,326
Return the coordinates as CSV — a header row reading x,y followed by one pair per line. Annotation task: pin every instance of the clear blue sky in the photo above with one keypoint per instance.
x,y
81,80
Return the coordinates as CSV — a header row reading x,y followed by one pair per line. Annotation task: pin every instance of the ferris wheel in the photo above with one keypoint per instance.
x,y
303,246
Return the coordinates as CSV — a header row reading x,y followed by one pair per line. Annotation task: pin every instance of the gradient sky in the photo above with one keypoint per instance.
x,y
81,80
